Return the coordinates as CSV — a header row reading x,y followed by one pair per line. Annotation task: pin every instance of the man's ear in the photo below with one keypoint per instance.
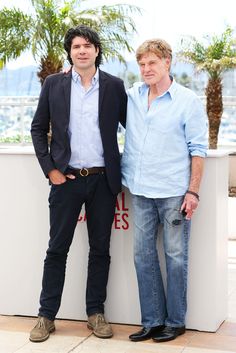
x,y
168,63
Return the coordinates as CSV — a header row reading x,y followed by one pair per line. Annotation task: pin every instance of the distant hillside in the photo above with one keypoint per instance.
x,y
116,68
24,81
19,82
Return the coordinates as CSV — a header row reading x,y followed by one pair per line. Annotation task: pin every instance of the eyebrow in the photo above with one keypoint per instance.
x,y
84,44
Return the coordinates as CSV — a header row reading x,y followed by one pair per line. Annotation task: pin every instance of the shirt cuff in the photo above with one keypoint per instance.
x,y
198,153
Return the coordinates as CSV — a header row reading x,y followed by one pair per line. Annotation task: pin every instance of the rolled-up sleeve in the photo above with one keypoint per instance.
x,y
196,128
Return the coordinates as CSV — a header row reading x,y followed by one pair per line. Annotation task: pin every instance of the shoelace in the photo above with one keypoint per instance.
x,y
41,323
100,319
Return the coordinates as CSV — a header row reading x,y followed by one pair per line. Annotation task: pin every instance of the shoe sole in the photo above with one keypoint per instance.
x,y
146,337
42,339
139,339
90,327
167,339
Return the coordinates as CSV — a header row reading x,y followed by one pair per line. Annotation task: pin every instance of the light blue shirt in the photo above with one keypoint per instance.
x,y
160,141
84,133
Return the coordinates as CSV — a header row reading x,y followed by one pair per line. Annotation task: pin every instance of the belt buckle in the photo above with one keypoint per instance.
x,y
84,172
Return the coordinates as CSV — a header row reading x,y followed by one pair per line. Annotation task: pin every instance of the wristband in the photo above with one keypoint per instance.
x,y
193,193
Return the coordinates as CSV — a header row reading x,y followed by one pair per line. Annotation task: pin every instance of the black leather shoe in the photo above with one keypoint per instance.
x,y
145,333
168,334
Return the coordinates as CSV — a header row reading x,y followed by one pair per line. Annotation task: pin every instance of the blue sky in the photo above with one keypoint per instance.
x,y
169,19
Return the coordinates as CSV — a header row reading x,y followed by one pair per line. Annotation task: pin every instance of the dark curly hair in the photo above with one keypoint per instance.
x,y
87,33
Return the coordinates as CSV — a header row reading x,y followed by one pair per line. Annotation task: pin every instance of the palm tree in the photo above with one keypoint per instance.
x,y
42,32
214,56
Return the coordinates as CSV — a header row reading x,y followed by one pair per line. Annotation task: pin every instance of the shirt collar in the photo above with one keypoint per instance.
x,y
76,77
171,90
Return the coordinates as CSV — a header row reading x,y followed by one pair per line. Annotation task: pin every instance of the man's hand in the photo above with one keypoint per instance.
x,y
65,70
57,178
189,205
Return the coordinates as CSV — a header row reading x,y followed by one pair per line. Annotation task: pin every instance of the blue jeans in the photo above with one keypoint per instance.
x,y
158,307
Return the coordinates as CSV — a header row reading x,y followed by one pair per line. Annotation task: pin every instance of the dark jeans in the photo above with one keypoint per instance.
x,y
65,202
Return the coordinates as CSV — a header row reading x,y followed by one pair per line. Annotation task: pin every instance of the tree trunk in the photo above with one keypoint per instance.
x,y
47,67
214,109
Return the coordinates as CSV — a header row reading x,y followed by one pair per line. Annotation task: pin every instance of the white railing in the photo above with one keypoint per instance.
x,y
16,114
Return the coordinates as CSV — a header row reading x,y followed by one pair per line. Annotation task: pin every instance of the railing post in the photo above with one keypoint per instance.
x,y
22,123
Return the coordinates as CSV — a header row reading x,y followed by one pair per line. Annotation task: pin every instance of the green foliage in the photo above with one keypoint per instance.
x,y
214,54
129,78
121,139
43,31
112,22
50,28
15,34
132,78
184,79
16,139
1,64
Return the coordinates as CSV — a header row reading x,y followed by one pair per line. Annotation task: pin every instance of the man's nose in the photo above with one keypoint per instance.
x,y
81,50
146,68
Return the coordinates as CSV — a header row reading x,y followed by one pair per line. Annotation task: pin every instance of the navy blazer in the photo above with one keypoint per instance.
x,y
54,107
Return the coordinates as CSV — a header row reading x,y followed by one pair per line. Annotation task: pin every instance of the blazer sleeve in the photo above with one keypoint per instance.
x,y
39,130
123,105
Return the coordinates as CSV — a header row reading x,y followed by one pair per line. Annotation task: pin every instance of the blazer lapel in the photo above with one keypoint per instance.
x,y
67,91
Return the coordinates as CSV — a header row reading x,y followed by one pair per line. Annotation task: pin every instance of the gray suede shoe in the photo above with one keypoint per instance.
x,y
42,330
100,327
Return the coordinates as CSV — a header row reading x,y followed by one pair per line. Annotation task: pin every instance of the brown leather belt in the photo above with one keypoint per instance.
x,y
88,171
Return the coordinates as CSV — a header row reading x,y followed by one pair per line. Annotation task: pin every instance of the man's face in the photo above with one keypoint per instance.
x,y
83,53
153,69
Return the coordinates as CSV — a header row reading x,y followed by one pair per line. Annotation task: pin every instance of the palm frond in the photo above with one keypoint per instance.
x,y
214,54
15,33
43,32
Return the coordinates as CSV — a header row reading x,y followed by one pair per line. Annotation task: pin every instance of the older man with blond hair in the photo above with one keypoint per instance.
x,y
162,166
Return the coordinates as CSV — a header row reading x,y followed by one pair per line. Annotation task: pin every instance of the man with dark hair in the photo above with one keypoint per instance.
x,y
84,108
90,35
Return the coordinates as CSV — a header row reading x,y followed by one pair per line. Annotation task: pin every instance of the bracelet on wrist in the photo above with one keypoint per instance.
x,y
193,193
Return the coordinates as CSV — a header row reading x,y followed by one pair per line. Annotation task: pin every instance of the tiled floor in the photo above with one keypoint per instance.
x,y
74,337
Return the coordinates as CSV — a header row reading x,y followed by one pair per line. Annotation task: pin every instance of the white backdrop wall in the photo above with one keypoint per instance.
x,y
24,239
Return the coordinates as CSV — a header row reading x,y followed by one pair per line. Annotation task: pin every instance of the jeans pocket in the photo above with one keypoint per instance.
x,y
175,217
